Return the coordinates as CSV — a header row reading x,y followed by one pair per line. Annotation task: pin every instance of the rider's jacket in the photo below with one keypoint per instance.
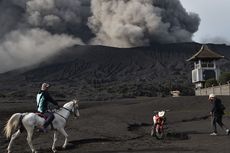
x,y
43,98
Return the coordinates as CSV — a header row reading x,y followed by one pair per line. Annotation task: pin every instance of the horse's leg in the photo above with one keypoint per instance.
x,y
63,132
54,142
13,137
29,139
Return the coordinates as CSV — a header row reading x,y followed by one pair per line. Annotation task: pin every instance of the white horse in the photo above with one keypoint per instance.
x,y
30,121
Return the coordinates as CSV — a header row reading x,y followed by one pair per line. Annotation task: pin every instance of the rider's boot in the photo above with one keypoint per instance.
x,y
43,129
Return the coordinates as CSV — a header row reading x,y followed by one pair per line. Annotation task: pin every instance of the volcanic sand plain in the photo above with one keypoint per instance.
x,y
123,126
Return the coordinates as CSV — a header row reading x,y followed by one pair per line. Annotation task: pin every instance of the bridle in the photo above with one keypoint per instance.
x,y
73,110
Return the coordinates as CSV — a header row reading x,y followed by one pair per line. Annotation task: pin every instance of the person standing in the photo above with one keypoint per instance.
x,y
217,113
43,98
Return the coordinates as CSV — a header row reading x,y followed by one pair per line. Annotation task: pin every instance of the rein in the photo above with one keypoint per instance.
x,y
65,109
62,115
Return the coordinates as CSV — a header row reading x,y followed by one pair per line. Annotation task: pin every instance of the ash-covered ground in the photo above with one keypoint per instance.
x,y
122,126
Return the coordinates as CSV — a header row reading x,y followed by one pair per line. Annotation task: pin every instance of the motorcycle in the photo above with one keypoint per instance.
x,y
157,129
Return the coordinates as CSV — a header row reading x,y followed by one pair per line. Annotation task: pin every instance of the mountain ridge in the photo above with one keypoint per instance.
x,y
120,72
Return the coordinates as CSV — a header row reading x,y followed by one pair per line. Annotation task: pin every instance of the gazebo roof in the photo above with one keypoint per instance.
x,y
205,53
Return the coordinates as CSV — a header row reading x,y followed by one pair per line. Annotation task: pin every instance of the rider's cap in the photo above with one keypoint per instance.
x,y
161,113
45,86
211,96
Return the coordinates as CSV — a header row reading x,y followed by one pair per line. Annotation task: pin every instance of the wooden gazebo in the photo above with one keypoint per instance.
x,y
205,66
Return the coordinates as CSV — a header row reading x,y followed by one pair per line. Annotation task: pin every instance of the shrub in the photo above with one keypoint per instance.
x,y
211,82
224,77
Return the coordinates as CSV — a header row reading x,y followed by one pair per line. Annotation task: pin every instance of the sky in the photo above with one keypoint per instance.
x,y
215,20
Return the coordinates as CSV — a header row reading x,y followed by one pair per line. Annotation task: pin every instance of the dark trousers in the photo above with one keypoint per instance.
x,y
217,119
49,118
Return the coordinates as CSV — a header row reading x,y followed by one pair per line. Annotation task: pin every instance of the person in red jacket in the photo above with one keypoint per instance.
x,y
158,119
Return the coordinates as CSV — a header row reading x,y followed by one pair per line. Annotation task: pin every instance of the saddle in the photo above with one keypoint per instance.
x,y
41,115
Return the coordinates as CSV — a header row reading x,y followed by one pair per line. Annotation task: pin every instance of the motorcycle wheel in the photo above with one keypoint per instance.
x,y
159,132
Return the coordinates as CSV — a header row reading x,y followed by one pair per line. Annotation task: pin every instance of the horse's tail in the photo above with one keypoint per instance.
x,y
12,124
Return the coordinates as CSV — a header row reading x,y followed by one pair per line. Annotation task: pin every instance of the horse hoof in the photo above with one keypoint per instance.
x,y
54,150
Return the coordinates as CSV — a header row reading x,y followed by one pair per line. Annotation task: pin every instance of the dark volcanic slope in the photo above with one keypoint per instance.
x,y
143,71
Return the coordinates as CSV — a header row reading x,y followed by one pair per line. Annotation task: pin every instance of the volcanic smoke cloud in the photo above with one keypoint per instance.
x,y
128,23
32,30
24,48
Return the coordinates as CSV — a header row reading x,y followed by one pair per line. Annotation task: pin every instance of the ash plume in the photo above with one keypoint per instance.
x,y
35,29
117,23
128,23
28,47
53,15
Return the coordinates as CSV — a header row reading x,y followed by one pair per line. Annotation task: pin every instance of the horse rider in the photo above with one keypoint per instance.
x,y
43,99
